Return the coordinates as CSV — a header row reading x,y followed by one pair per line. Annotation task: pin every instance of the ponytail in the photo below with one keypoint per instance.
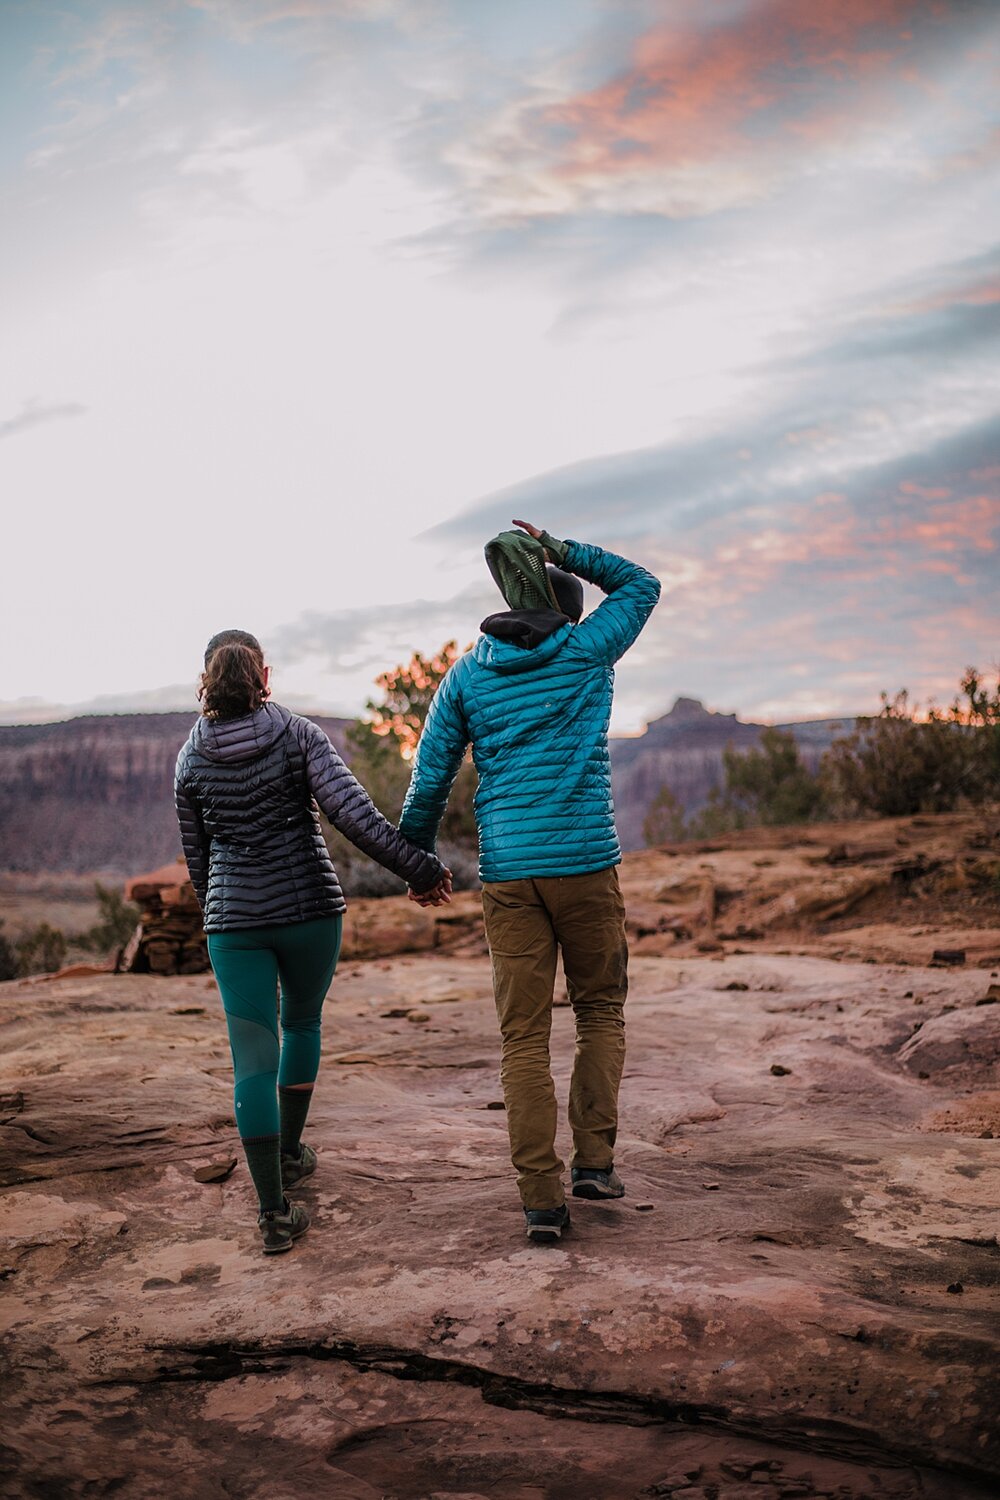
x,y
234,681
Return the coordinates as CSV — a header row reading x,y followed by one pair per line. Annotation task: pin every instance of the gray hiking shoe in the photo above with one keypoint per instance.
x,y
280,1227
294,1168
545,1225
590,1183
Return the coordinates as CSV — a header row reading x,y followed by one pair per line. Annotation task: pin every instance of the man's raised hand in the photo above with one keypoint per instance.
x,y
535,531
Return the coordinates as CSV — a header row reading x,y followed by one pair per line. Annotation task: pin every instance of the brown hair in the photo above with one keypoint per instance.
x,y
233,682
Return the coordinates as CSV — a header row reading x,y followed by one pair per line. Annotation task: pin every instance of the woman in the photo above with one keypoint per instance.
x,y
246,787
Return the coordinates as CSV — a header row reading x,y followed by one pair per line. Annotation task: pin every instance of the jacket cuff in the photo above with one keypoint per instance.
x,y
555,549
421,886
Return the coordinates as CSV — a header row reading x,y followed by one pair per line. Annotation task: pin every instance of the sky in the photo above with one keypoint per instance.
x,y
301,301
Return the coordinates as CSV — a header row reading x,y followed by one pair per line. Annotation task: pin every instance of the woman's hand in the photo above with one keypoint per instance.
x,y
438,895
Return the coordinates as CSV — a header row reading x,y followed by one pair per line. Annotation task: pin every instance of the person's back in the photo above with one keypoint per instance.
x,y
534,699
247,786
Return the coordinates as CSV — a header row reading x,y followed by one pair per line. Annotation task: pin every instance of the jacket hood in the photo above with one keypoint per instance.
x,y
520,640
235,741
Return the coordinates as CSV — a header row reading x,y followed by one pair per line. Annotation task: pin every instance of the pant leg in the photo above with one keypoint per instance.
x,y
307,955
523,954
247,973
588,916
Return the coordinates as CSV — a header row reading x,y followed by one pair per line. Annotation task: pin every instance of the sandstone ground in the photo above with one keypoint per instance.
x,y
798,1296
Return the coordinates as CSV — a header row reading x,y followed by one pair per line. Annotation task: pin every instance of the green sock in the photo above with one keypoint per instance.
x,y
264,1160
293,1105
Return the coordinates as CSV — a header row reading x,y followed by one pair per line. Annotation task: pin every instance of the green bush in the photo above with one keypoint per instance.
x,y
769,786
41,950
8,958
896,764
892,765
664,823
116,924
772,785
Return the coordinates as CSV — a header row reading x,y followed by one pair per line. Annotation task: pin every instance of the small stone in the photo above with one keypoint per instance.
x,y
644,1208
955,1287
779,1070
418,1015
671,1485
923,1073
948,956
495,1104
216,1171
737,1468
986,1135
736,984
908,995
396,1013
711,1187
189,1010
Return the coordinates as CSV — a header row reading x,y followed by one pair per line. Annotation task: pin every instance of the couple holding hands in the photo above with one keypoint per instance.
x,y
533,699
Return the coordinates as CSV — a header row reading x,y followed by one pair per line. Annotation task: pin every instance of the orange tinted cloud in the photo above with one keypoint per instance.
x,y
782,66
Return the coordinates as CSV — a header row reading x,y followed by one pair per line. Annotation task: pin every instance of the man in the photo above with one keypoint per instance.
x,y
534,699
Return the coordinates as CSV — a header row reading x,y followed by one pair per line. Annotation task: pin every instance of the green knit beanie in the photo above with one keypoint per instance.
x,y
517,562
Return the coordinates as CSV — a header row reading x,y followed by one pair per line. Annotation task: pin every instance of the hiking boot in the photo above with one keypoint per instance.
x,y
294,1168
279,1227
590,1183
545,1225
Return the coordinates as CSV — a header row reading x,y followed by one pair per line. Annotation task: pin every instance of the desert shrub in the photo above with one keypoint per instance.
x,y
41,950
8,958
664,822
116,922
895,764
981,710
769,785
382,745
772,785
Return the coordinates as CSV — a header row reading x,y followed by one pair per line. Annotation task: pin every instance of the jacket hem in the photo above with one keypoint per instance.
x,y
531,871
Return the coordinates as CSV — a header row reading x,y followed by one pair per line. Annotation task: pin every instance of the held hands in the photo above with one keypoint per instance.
x,y
438,895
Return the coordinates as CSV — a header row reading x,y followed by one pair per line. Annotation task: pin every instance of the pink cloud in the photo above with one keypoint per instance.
x,y
690,96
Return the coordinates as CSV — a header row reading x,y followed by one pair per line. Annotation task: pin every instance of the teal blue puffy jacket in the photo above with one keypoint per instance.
x,y
537,718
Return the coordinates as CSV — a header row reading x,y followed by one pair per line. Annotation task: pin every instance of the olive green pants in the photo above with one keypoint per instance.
x,y
527,922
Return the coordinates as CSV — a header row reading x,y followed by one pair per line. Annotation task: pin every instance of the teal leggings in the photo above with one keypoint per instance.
x,y
248,965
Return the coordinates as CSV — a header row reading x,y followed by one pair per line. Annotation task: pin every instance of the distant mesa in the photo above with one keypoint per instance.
x,y
686,708
96,793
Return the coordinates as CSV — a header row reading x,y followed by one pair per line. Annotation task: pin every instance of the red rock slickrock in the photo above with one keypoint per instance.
x,y
806,1305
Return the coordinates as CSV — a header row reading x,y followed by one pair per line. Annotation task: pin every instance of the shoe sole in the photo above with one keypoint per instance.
x,y
287,1182
546,1233
594,1191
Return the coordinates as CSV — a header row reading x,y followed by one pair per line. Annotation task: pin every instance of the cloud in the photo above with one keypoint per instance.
x,y
714,108
719,282
370,640
33,413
